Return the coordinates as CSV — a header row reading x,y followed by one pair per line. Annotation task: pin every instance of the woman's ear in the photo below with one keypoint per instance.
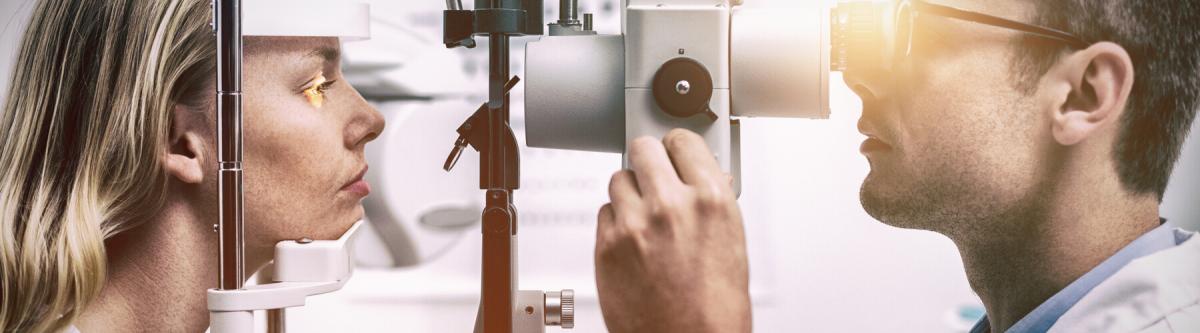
x,y
184,159
1087,90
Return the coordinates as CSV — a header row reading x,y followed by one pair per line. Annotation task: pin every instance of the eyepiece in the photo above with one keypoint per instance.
x,y
858,35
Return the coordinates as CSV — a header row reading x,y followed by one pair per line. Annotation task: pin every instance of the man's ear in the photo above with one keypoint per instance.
x,y
1087,90
184,158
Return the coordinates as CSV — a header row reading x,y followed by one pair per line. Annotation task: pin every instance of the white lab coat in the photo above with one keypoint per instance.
x,y
1156,293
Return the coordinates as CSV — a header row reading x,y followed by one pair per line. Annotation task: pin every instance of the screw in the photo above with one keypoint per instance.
x,y
683,87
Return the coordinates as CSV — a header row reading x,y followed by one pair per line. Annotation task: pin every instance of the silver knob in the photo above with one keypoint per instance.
x,y
683,87
560,308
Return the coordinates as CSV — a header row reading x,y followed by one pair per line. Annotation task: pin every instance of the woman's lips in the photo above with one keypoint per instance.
x,y
358,185
873,145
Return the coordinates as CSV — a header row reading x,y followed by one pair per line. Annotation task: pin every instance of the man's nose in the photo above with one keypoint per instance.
x,y
868,84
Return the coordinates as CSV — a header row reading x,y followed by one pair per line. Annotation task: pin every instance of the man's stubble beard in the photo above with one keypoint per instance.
x,y
947,197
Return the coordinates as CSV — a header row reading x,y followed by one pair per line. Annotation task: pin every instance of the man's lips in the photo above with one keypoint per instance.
x,y
871,144
357,185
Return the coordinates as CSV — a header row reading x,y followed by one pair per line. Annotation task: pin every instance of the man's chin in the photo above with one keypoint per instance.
x,y
887,206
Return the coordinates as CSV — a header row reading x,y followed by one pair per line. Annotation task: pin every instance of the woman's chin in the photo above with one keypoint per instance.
x,y
358,214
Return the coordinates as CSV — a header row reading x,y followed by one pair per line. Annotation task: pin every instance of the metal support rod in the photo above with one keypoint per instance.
x,y
499,283
277,320
568,12
499,165
498,109
454,4
227,22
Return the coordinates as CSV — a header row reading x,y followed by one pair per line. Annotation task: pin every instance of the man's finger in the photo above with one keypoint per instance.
x,y
623,190
605,224
652,167
693,160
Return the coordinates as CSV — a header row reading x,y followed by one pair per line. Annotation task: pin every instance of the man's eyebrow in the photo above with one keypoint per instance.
x,y
326,53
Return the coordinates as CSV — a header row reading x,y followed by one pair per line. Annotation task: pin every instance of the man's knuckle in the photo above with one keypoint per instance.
x,y
679,134
616,176
641,145
710,197
604,214
614,182
677,140
662,208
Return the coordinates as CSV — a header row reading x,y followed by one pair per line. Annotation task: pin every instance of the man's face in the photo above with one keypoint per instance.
x,y
950,139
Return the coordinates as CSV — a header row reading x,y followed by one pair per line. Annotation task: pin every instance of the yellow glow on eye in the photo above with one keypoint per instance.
x,y
316,93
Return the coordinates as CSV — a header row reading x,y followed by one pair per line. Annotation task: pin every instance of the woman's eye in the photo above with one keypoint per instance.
x,y
315,93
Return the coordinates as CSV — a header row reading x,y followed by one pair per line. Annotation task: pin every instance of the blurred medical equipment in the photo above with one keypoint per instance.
x,y
302,267
502,307
429,211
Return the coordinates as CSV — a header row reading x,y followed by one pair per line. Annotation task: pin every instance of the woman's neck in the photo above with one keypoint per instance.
x,y
158,274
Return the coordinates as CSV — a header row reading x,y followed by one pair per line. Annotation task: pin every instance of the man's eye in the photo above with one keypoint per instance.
x,y
315,93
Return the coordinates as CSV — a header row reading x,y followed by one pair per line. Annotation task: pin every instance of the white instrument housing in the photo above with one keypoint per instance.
x,y
595,92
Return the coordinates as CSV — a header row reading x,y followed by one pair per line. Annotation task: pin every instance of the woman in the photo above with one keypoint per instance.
x,y
108,188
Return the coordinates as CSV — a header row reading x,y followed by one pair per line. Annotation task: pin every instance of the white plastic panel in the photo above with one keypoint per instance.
x,y
657,34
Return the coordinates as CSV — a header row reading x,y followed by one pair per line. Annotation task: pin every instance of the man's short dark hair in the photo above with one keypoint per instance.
x,y
1163,39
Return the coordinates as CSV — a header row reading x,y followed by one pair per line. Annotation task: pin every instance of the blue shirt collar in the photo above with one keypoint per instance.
x,y
1045,315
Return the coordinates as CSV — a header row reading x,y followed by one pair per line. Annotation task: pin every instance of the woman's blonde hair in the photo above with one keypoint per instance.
x,y
85,124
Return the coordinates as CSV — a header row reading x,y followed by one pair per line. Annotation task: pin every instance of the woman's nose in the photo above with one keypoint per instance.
x,y
368,124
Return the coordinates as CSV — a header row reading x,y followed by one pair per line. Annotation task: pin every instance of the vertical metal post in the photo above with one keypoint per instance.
x,y
276,320
228,24
499,170
568,11
498,217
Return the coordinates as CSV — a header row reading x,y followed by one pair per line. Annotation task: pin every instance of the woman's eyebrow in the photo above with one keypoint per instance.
x,y
329,55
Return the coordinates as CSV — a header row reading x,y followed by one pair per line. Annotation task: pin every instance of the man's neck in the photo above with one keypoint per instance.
x,y
1018,263
158,273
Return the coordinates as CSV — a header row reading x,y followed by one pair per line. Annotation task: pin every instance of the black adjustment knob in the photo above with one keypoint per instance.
x,y
682,87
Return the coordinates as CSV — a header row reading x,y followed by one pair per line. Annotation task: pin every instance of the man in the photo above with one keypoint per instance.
x,y
1043,157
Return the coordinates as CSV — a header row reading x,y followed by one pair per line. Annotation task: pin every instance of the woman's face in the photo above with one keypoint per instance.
x,y
304,129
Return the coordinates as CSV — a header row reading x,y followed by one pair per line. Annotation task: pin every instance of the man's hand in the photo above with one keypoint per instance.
x,y
670,248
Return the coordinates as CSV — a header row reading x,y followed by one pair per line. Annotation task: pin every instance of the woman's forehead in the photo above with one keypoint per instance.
x,y
293,51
